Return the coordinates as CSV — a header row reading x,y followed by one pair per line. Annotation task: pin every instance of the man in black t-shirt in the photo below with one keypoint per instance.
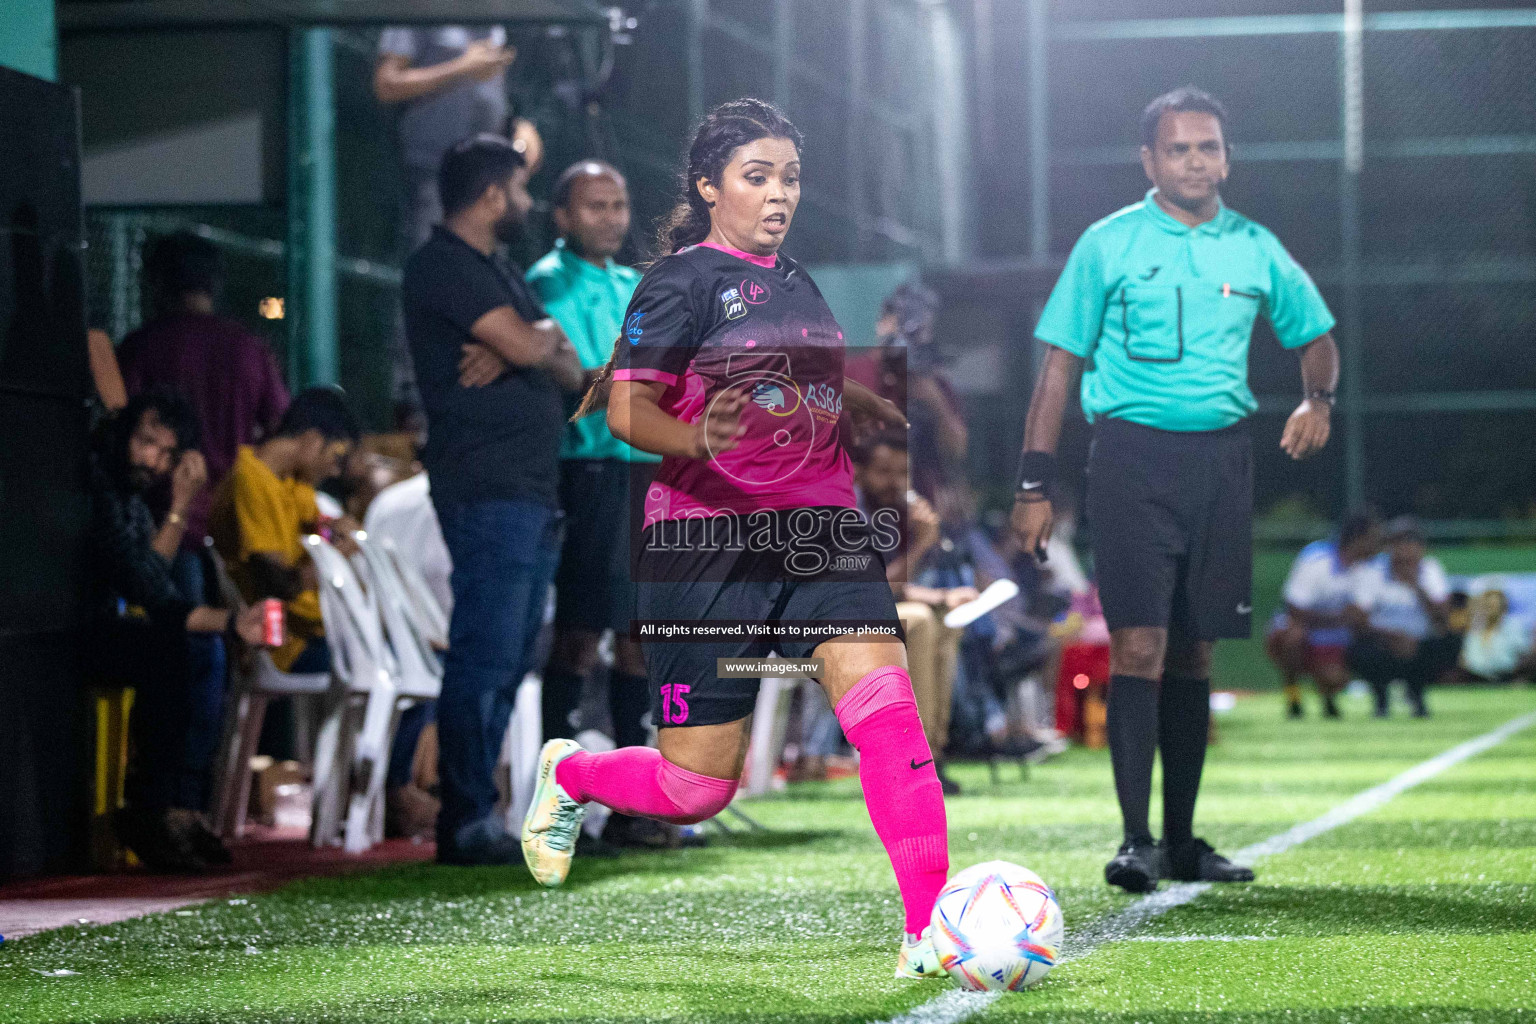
x,y
492,368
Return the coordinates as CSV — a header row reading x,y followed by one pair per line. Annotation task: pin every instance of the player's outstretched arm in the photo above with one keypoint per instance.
x,y
1309,426
1032,514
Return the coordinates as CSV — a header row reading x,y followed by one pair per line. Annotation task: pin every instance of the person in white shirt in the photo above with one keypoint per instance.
x,y
1399,612
1498,647
1310,635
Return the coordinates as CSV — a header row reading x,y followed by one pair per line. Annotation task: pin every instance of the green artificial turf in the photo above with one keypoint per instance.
x,y
1424,910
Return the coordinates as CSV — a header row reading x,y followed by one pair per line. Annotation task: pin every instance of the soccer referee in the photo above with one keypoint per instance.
x,y
1154,314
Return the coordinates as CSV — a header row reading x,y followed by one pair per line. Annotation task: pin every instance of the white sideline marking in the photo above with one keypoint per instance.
x,y
1200,938
957,1005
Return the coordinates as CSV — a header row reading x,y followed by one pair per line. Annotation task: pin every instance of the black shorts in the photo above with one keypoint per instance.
x,y
602,499
1171,517
705,578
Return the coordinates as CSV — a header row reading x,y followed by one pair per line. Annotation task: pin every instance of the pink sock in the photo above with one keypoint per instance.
x,y
639,781
901,786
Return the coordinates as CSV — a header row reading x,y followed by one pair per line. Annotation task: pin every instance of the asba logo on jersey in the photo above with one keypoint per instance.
x,y
768,396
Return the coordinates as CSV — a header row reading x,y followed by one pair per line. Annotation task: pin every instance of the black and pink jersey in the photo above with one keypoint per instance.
x,y
707,321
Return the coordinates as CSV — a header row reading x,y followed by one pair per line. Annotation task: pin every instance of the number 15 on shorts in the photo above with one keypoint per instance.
x,y
674,703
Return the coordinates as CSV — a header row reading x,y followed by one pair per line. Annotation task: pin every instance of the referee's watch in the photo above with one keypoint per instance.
x,y
1321,395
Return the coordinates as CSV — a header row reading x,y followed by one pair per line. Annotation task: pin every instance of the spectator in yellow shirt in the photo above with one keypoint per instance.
x,y
267,504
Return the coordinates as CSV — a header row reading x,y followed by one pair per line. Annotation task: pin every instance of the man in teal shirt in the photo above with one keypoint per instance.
x,y
601,477
1154,312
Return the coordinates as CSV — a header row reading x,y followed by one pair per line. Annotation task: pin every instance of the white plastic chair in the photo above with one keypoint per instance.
x,y
524,738
253,682
770,724
366,669
426,612
420,671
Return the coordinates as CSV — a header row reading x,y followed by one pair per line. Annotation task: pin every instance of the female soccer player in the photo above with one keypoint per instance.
x,y
731,368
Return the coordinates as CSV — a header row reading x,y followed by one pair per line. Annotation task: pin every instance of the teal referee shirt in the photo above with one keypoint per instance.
x,y
589,304
1163,314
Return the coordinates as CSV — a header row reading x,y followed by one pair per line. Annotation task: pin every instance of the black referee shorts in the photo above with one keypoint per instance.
x,y
696,575
602,500
1171,518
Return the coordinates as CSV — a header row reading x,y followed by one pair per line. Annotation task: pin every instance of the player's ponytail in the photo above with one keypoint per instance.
x,y
597,395
723,131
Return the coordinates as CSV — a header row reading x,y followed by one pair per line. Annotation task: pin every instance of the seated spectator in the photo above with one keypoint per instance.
x,y
1459,612
1310,635
1497,647
882,482
1026,642
228,373
267,504
998,650
144,631
1084,635
364,476
1398,617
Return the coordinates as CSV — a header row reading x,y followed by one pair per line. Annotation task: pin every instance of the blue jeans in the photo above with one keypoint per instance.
x,y
504,556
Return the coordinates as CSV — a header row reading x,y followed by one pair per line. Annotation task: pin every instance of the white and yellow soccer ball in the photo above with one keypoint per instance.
x,y
997,928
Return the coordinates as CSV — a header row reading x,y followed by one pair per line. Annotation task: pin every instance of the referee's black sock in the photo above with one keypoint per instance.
x,y
1184,725
561,694
629,698
1132,728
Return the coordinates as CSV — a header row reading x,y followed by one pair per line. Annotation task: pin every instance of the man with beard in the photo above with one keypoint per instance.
x,y
492,368
143,630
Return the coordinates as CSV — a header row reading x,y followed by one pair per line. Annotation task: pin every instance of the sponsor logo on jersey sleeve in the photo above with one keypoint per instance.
x,y
734,307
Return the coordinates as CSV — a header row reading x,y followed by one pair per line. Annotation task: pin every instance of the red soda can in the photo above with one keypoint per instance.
x,y
272,622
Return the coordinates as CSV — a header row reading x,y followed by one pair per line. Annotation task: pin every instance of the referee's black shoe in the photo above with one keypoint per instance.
x,y
1136,867
1195,861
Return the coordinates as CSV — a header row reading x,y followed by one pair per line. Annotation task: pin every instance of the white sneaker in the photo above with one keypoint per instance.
x,y
918,959
553,820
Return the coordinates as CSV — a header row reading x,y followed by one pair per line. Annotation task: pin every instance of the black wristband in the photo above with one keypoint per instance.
x,y
1037,471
